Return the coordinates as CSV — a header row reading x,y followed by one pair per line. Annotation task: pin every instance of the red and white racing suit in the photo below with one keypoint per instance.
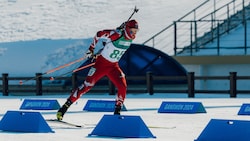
x,y
106,65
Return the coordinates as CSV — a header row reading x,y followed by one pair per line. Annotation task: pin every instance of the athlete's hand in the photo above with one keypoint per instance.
x,y
90,52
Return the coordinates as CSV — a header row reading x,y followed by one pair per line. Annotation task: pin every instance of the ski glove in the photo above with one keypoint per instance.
x,y
90,53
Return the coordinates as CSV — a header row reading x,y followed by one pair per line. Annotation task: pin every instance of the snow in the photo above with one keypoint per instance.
x,y
64,19
165,126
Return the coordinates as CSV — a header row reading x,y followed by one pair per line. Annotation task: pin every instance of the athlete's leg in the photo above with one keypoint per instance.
x,y
118,79
93,76
95,73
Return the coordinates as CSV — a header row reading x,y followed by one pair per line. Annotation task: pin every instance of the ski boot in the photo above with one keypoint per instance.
x,y
63,110
117,110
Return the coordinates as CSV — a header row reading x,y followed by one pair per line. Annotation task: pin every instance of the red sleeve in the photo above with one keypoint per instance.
x,y
111,34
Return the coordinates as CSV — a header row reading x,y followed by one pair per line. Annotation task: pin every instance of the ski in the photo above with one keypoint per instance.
x,y
65,122
160,127
85,126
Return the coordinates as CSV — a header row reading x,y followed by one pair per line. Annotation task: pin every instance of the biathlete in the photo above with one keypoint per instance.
x,y
117,42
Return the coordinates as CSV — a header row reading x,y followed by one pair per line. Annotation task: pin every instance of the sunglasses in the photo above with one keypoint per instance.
x,y
133,30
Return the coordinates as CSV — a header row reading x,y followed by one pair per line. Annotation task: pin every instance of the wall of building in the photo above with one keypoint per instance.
x,y
217,66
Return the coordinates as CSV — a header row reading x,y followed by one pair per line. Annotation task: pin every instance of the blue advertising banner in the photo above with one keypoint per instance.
x,y
24,122
40,104
225,130
245,109
101,106
181,107
122,127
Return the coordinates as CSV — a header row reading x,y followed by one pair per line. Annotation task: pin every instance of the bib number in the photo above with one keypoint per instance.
x,y
116,54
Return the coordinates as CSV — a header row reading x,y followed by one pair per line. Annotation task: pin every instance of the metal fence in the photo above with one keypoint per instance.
x,y
38,88
205,24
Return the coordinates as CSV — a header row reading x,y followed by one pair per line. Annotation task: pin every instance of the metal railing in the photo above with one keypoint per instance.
x,y
163,40
192,36
149,86
187,31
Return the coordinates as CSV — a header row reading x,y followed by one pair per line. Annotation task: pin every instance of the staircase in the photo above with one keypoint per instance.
x,y
202,25
221,27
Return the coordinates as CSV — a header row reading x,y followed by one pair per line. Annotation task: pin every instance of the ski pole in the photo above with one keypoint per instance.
x,y
135,11
75,70
56,69
83,67
123,24
78,69
65,65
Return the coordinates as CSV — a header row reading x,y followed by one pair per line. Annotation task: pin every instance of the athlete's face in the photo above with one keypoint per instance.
x,y
133,32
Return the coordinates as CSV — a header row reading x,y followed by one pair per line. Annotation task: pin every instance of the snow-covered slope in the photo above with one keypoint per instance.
x,y
38,35
64,19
